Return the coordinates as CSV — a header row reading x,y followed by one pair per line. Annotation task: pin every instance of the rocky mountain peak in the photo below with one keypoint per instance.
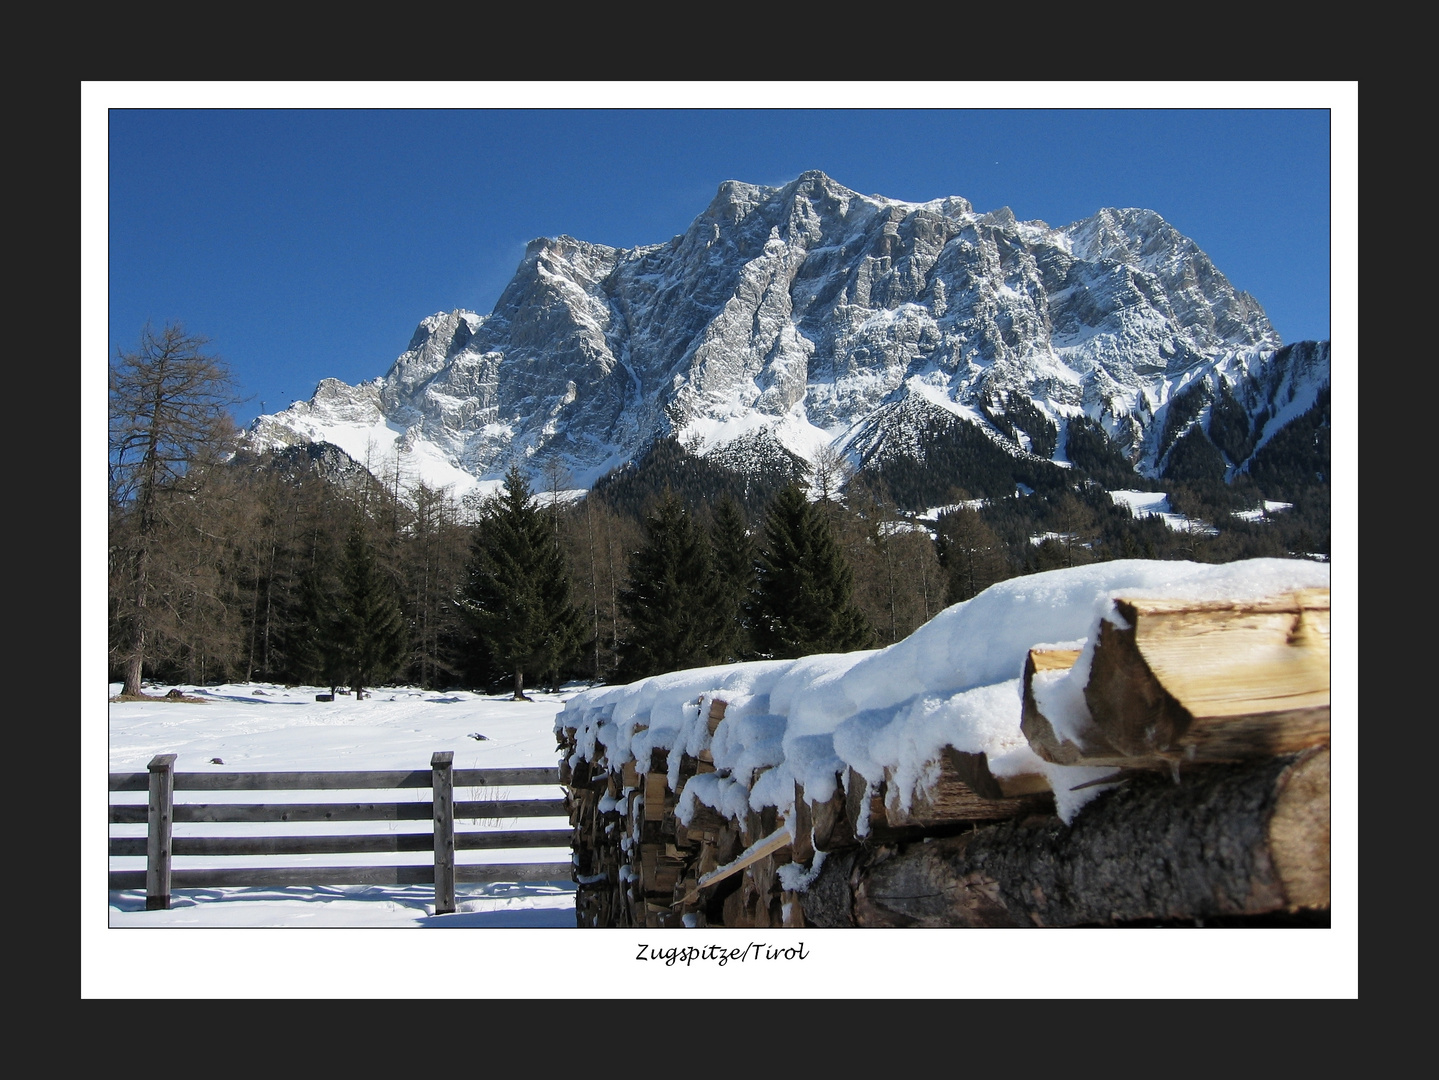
x,y
806,314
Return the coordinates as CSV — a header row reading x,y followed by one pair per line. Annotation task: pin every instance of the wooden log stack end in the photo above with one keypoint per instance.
x,y
716,714
802,827
1044,740
1298,832
966,791
830,826
656,790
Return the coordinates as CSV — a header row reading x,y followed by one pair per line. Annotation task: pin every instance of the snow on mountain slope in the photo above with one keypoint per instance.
x,y
816,316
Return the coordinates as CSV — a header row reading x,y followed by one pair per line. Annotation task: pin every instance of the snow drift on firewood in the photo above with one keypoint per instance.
x,y
956,681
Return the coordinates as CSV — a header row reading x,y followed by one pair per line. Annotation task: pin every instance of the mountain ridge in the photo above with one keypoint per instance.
x,y
818,317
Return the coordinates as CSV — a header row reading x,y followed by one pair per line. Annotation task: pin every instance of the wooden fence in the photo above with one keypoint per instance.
x,y
161,813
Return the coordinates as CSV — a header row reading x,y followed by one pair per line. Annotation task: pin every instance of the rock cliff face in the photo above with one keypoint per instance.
x,y
813,316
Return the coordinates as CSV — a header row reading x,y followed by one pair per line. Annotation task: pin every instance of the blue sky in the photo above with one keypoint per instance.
x,y
307,242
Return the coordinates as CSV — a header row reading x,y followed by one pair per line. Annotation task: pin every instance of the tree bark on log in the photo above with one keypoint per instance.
x,y
1228,840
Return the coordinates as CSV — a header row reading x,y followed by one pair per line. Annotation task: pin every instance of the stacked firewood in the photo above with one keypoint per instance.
x,y
1213,719
637,864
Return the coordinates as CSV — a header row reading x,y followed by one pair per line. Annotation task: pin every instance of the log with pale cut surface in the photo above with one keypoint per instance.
x,y
1084,748
1215,680
1192,681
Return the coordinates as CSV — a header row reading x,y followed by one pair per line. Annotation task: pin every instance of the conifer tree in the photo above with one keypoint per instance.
x,y
972,555
733,552
314,644
372,629
805,586
671,602
516,594
432,556
598,539
354,627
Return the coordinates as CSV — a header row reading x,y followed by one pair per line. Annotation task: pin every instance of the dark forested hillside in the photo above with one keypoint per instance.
x,y
247,558
697,481
951,451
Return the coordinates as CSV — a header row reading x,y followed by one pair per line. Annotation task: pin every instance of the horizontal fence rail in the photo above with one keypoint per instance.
x,y
191,813
337,781
350,845
159,846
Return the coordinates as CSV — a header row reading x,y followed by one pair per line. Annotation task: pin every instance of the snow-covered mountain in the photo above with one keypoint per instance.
x,y
808,315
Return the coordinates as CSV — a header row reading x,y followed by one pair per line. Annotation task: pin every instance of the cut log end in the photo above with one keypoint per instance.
x,y
1044,740
964,790
1299,831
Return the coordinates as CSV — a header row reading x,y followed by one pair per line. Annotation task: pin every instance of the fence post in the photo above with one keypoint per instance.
x,y
443,789
159,817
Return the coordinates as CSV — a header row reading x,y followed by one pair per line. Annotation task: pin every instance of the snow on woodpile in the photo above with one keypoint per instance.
x,y
715,795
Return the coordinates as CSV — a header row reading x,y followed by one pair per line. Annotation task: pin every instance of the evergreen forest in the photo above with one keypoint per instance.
x,y
301,566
